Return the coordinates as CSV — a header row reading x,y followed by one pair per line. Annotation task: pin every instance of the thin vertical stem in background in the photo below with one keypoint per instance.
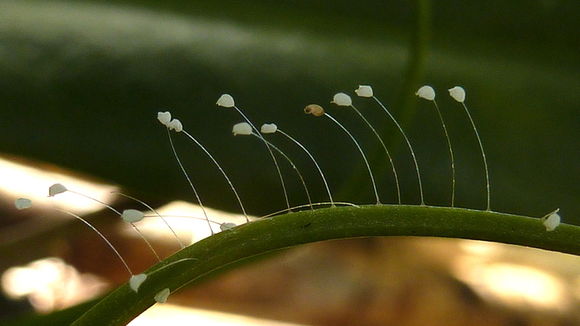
x,y
416,62
415,68
412,78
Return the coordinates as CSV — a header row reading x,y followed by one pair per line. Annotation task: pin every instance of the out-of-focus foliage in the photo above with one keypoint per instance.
x,y
81,83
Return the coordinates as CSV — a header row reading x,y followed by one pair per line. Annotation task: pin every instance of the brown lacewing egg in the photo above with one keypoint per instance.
x,y
314,109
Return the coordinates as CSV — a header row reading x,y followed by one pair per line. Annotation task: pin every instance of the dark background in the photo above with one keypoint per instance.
x,y
82,81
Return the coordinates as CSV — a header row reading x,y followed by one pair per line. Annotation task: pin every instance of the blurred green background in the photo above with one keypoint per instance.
x,y
81,83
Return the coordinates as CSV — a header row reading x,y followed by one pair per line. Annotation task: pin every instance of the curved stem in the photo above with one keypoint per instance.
x,y
417,59
329,203
288,230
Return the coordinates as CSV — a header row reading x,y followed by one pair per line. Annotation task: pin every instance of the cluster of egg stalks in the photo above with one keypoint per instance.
x,y
131,216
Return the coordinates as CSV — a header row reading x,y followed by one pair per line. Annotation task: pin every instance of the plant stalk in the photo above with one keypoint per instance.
x,y
267,235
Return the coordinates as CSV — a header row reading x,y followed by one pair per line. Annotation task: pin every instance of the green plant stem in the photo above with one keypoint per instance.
x,y
288,230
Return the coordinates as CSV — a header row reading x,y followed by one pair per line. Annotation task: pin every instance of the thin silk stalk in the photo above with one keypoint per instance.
x,y
362,154
156,213
451,156
113,209
269,151
482,156
408,145
100,235
188,180
384,148
222,172
313,161
294,167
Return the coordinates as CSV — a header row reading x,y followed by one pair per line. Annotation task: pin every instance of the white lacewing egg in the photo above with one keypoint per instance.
x,y
56,189
242,128
132,215
175,125
458,94
268,128
22,203
341,99
426,92
136,280
164,118
364,91
162,295
552,221
226,101
226,226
